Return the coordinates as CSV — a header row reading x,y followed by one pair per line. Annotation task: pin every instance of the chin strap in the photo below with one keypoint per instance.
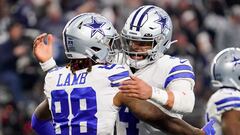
x,y
170,43
234,83
216,83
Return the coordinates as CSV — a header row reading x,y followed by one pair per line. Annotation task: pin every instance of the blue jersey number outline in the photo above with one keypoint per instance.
x,y
78,113
132,121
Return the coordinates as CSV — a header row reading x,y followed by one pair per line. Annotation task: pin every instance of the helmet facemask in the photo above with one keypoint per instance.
x,y
140,52
114,49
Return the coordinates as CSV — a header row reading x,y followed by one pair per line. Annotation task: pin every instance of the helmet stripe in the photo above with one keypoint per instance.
x,y
134,17
65,39
142,16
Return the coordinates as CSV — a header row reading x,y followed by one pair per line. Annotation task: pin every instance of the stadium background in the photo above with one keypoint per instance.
x,y
202,28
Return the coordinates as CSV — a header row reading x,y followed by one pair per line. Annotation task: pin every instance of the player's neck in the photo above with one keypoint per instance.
x,y
78,64
134,70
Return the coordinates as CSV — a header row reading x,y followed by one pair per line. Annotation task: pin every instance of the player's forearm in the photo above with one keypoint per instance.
x,y
151,114
42,111
142,109
176,126
231,122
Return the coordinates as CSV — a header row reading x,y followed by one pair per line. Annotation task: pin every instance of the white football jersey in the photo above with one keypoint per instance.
x,y
160,74
82,103
221,101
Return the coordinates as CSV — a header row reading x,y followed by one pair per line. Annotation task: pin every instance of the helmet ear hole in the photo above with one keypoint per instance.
x,y
95,49
238,77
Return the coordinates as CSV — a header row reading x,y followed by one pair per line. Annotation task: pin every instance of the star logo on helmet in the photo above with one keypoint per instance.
x,y
236,61
96,26
161,20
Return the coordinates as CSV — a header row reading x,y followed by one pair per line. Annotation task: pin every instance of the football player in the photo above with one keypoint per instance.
x,y
166,81
224,104
127,114
80,95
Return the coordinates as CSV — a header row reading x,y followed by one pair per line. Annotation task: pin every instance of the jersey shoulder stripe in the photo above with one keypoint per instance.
x,y
180,68
225,100
234,105
117,78
176,68
188,75
228,103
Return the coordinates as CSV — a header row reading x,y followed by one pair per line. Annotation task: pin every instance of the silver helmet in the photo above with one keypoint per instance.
x,y
90,35
225,68
149,24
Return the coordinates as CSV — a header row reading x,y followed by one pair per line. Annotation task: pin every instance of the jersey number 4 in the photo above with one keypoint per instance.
x,y
74,113
130,120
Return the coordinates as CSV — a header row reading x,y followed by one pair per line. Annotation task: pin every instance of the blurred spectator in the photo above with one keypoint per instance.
x,y
215,19
228,35
24,13
4,20
10,51
183,47
53,22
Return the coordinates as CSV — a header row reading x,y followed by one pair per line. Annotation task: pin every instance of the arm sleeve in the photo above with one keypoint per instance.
x,y
48,65
42,127
184,98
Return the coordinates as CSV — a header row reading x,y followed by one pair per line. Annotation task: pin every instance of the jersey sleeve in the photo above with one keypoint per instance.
x,y
180,81
222,101
180,69
118,74
48,83
227,102
184,98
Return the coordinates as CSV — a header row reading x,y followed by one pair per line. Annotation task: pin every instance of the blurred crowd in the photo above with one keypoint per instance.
x,y
202,28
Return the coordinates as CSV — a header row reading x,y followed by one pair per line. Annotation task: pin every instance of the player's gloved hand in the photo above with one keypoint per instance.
x,y
208,127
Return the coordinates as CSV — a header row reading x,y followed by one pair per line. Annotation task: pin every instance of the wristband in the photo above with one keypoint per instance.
x,y
49,64
159,96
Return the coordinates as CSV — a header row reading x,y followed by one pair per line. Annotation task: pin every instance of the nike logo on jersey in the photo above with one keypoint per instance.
x,y
182,60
